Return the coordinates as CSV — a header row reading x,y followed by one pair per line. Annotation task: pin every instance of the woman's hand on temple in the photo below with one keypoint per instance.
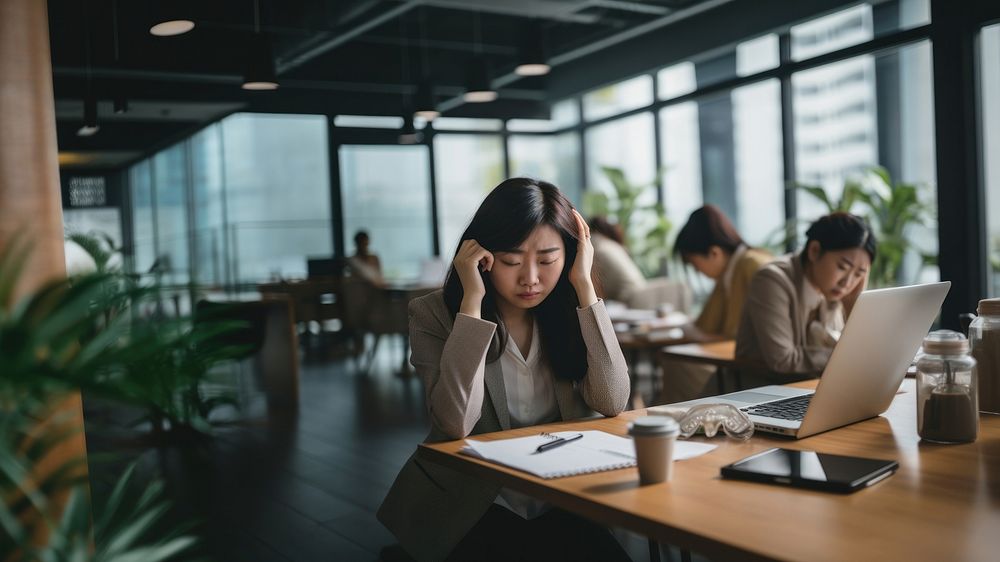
x,y
470,260
852,297
579,275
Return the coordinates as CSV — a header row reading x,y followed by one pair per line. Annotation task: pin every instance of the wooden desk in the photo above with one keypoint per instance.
x,y
720,353
943,504
638,343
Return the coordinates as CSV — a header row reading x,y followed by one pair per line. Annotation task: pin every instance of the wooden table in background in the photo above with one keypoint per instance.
x,y
635,344
721,354
942,504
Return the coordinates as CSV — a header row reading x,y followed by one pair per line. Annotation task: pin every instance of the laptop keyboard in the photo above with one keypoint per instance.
x,y
788,409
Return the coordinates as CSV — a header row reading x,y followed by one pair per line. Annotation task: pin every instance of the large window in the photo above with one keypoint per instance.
x,y
759,172
143,233
553,158
610,100
207,182
626,144
467,168
990,82
680,147
385,190
725,150
277,193
250,196
872,110
170,185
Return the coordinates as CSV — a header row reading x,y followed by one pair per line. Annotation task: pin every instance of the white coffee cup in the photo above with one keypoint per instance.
x,y
654,438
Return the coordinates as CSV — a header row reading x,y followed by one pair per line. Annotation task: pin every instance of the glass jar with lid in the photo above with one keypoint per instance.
x,y
947,397
984,337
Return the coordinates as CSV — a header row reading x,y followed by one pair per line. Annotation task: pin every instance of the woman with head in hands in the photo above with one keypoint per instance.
x,y
517,337
797,305
710,243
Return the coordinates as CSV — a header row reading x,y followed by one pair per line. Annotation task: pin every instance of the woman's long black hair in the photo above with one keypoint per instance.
x,y
503,222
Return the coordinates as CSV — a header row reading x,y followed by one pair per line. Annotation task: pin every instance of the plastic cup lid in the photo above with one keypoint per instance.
x,y
654,425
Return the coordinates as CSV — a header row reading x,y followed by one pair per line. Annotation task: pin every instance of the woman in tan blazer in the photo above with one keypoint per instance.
x,y
710,243
797,305
517,337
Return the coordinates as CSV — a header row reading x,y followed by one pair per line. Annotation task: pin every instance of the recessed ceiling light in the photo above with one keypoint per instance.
x,y
88,130
479,96
532,69
171,27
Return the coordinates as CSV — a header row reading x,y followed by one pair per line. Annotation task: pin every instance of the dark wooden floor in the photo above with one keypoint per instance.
x,y
304,488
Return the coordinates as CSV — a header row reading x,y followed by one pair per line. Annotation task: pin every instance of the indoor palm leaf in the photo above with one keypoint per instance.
x,y
72,335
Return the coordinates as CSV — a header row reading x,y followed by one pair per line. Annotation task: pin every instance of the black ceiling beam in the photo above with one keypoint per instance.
x,y
709,30
592,47
332,40
117,136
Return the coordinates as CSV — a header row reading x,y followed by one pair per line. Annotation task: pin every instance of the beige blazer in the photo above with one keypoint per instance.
x,y
773,343
430,508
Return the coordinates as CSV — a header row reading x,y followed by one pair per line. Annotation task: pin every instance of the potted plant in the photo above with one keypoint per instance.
x,y
72,335
645,225
892,208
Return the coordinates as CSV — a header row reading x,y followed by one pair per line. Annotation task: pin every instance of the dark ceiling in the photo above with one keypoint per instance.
x,y
332,57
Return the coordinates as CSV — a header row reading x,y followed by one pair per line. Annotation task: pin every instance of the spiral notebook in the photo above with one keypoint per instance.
x,y
597,451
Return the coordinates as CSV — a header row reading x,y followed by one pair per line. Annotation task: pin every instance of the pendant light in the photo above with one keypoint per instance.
x,y
424,103
407,133
170,20
259,74
477,74
90,126
532,57
426,109
119,102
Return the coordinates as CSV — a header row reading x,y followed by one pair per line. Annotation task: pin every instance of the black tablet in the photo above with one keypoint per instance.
x,y
809,469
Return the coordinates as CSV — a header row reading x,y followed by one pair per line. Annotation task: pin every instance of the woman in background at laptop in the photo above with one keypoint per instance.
x,y
797,305
710,243
517,337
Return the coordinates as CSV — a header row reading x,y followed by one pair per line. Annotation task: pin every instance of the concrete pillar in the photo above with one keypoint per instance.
x,y
30,201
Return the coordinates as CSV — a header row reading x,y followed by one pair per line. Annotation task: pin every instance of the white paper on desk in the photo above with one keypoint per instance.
x,y
595,452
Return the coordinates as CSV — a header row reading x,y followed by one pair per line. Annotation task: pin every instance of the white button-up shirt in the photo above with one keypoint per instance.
x,y
531,400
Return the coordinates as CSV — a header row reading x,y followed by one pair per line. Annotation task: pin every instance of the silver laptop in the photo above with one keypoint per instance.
x,y
882,335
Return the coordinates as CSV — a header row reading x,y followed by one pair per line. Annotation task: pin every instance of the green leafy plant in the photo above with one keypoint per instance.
x,y
75,335
646,226
100,247
995,255
892,208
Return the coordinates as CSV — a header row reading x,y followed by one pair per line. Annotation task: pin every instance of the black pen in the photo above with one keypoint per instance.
x,y
557,443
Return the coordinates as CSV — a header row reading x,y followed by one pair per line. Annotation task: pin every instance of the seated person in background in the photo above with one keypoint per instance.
x,y
517,337
710,243
364,264
797,305
618,274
